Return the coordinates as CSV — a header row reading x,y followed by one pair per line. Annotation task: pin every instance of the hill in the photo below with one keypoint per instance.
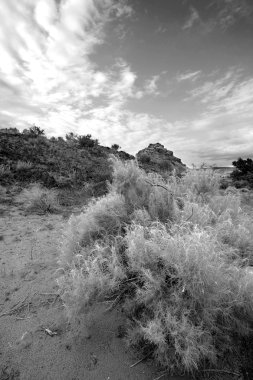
x,y
55,162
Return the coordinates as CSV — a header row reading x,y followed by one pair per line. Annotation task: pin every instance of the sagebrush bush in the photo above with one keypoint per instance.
x,y
142,191
38,199
200,184
102,218
175,254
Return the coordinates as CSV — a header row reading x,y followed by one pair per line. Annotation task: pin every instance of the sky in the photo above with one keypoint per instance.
x,y
132,72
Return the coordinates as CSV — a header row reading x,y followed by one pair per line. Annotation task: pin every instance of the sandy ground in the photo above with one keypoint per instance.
x,y
31,310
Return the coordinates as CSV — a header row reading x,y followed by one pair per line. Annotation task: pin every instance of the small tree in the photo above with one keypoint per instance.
x,y
115,147
87,142
243,173
244,166
71,137
36,131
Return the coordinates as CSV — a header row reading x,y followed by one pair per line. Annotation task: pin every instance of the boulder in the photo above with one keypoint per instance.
x,y
156,158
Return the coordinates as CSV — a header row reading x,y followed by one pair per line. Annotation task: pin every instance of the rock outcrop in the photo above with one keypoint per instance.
x,y
156,158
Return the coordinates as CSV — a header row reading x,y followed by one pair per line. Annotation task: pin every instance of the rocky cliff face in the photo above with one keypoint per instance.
x,y
156,158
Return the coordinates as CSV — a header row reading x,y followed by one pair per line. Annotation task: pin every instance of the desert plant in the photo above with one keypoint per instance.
x,y
36,131
115,147
4,170
175,255
144,158
101,218
23,165
201,183
39,199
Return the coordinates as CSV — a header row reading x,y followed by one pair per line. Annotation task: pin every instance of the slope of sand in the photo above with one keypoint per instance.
x,y
29,304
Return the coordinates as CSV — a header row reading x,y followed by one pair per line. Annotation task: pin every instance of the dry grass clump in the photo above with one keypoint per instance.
x,y
189,298
102,218
200,185
38,199
21,165
174,254
142,191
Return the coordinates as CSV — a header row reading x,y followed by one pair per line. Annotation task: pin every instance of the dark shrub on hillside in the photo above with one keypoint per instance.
x,y
243,173
87,142
115,146
144,158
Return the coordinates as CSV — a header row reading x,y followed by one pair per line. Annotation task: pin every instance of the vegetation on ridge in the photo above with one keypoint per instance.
x,y
55,162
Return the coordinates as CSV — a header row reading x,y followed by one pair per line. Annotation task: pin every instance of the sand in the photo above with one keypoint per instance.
x,y
36,340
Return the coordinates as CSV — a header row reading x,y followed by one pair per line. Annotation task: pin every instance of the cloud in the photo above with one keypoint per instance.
x,y
229,94
220,15
192,19
192,76
150,86
224,127
230,11
45,66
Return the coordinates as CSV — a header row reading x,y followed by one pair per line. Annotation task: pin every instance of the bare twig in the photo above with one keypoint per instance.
x,y
163,374
130,279
158,185
190,216
22,318
141,360
49,294
116,301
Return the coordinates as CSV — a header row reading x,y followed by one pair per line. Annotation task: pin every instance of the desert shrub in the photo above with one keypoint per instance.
x,y
175,255
103,217
4,170
166,165
87,141
141,190
23,165
144,158
36,131
39,199
200,184
242,175
182,307
115,147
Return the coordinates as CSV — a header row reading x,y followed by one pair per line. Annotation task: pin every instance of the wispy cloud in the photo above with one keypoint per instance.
x,y
228,94
219,14
151,85
230,11
192,19
192,76
224,126
45,65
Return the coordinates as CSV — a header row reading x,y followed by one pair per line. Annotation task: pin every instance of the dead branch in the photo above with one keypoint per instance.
x,y
163,374
158,185
190,216
141,360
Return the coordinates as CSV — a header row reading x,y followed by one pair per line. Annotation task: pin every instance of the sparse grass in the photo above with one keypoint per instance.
x,y
39,199
175,255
